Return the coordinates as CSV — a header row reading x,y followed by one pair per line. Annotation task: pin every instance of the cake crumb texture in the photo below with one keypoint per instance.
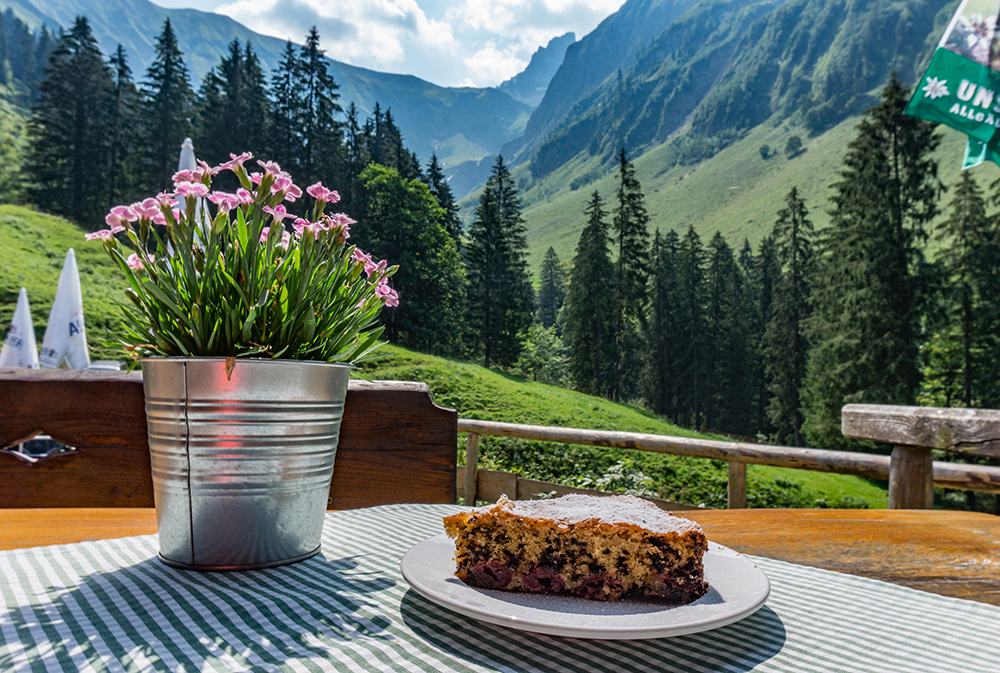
x,y
601,548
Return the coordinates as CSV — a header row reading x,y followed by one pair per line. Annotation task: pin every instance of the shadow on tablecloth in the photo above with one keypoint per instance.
x,y
151,617
738,647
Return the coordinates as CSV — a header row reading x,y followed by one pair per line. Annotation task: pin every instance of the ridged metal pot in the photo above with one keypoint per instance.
x,y
241,463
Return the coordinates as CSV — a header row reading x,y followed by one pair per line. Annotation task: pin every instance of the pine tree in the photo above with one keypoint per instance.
x,y
168,109
123,116
785,345
766,275
438,184
727,394
968,238
232,107
663,326
588,329
868,294
629,223
692,360
284,106
321,143
399,220
68,152
551,290
500,294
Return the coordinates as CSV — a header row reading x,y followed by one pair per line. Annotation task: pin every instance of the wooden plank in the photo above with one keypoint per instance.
x,y
101,413
736,488
846,462
395,446
23,528
491,484
911,478
948,475
973,431
946,552
471,468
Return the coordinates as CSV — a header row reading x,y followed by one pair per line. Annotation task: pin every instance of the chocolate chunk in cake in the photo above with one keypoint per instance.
x,y
595,547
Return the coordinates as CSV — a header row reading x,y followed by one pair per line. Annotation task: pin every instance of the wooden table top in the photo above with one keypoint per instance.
x,y
941,551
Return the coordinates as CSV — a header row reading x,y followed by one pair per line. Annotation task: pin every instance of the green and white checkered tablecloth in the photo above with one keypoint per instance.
x,y
112,606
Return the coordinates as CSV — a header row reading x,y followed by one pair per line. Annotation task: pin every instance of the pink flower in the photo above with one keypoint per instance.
x,y
206,169
165,199
187,176
136,263
119,215
235,161
283,183
278,212
270,167
256,178
189,189
321,193
244,196
224,201
149,208
361,257
264,233
114,222
371,267
388,294
103,234
302,226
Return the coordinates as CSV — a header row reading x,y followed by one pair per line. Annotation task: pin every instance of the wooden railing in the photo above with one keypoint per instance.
x,y
907,485
395,446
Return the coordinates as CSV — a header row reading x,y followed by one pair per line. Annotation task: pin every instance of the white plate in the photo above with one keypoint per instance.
x,y
738,588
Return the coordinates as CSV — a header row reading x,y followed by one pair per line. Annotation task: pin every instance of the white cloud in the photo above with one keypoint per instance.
x,y
448,42
373,33
491,65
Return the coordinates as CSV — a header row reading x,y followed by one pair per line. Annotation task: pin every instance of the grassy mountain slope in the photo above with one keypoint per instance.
x,y
480,393
33,247
428,115
613,45
736,192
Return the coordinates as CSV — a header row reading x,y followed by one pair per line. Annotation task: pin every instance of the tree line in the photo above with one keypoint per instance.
x,y
774,341
98,138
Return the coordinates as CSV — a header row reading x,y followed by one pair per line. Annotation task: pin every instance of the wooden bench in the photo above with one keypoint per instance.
x,y
395,445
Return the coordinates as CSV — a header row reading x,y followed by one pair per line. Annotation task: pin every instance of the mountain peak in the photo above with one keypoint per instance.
x,y
529,86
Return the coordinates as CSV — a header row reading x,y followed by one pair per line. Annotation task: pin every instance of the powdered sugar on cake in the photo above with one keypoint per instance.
x,y
576,508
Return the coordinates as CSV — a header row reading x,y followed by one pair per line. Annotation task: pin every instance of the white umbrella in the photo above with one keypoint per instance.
x,y
20,350
64,345
187,162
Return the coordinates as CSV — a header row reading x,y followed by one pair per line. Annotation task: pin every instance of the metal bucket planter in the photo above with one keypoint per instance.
x,y
241,464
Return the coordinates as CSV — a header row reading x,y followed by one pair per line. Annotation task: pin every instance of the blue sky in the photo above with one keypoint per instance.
x,y
447,42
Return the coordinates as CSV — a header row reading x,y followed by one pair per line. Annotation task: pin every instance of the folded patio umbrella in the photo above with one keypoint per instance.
x,y
962,81
19,349
64,345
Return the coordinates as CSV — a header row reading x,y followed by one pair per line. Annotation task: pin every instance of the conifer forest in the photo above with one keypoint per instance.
x,y
760,342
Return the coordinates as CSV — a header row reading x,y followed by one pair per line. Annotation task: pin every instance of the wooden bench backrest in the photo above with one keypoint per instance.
x,y
395,446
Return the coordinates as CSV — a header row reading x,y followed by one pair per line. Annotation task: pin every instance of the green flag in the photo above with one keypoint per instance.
x,y
962,81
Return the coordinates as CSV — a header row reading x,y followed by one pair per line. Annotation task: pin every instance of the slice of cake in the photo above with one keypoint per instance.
x,y
595,547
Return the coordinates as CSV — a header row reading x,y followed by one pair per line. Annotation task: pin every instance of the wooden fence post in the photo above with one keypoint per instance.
x,y
472,468
911,478
736,490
